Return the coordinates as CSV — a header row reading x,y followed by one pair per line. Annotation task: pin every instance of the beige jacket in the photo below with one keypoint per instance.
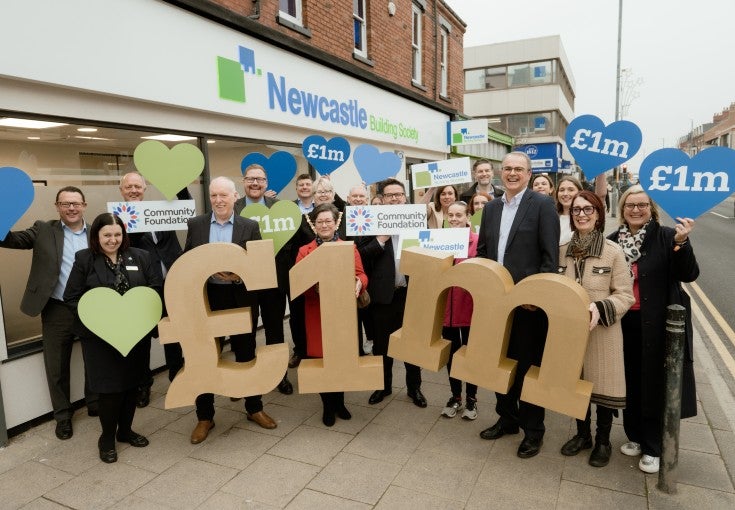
x,y
606,277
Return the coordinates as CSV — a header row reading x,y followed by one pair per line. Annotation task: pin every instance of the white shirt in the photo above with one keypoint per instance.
x,y
510,208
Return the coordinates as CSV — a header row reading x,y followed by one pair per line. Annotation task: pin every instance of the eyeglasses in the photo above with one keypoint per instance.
x,y
324,191
250,180
324,223
394,195
641,206
587,210
69,205
512,169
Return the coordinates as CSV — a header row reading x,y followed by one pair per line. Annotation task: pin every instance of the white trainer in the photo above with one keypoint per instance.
x,y
470,409
631,449
649,464
452,408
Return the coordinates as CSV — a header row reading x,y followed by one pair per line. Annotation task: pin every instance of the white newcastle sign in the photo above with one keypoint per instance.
x,y
371,220
450,241
148,216
441,173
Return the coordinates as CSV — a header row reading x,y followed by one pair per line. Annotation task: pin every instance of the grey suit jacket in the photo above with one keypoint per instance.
x,y
533,242
46,239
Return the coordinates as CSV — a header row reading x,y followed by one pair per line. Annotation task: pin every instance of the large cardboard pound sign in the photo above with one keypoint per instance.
x,y
555,385
332,266
192,323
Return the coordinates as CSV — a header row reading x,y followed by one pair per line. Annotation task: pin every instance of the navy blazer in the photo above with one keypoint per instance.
x,y
243,230
533,242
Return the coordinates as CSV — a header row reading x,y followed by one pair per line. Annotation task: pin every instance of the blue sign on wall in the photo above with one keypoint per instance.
x,y
545,157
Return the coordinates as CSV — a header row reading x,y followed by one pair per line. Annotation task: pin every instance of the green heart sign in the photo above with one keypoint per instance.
x,y
279,223
121,321
168,170
475,220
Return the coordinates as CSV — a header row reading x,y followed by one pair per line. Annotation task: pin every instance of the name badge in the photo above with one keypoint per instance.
x,y
131,268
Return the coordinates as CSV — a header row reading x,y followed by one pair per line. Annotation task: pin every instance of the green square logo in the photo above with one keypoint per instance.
x,y
423,179
231,80
457,138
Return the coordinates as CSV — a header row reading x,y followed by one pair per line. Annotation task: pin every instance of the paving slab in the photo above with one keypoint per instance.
x,y
579,496
15,489
311,445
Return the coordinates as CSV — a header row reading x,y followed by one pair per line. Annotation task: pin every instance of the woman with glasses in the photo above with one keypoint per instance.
x,y
457,318
660,258
324,220
599,266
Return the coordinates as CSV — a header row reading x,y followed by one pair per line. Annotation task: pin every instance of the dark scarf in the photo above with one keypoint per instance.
x,y
121,284
583,246
319,240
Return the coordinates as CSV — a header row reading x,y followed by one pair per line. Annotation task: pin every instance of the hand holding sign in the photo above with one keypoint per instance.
x,y
373,165
16,196
168,170
326,156
685,187
597,148
121,321
280,167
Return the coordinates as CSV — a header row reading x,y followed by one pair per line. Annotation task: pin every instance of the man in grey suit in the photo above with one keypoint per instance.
x,y
272,301
54,244
521,231
226,290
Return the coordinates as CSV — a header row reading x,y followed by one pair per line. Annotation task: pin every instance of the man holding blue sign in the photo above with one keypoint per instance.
x,y
521,231
54,244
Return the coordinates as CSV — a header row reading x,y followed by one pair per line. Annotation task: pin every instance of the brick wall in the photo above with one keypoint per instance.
x,y
330,23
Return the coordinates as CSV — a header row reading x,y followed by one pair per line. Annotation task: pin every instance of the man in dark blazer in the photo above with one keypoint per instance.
x,y
54,244
226,290
272,301
164,248
482,173
521,231
388,290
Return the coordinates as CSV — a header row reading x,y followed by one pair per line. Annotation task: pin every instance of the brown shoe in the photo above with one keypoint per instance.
x,y
263,420
201,431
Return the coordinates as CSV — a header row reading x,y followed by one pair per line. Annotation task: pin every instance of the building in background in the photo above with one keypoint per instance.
x,y
718,133
230,76
526,89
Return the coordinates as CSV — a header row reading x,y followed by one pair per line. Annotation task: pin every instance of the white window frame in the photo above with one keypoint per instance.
x,y
416,45
444,74
363,51
296,17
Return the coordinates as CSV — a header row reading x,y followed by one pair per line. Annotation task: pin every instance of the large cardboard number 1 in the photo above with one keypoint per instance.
x,y
192,323
332,267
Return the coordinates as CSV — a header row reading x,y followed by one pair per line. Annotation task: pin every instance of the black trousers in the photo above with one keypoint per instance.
x,y
224,297
387,318
57,320
272,304
297,322
116,416
458,336
526,346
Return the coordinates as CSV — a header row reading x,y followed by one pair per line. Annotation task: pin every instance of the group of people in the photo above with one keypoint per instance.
x,y
630,278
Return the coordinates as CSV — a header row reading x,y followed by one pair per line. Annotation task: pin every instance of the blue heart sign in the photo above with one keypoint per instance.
x,y
16,196
597,148
280,168
688,187
326,156
373,165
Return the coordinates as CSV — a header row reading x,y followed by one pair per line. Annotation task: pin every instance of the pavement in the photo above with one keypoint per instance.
x,y
391,455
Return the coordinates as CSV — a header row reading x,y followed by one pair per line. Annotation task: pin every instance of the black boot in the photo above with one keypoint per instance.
x,y
582,439
328,418
600,455
339,406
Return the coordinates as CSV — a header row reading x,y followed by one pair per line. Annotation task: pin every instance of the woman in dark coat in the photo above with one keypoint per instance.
x,y
111,262
324,220
660,258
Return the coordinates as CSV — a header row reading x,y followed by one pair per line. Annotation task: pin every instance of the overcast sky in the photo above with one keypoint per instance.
x,y
684,52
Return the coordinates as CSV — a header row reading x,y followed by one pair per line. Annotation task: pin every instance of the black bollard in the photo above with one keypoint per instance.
x,y
675,337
